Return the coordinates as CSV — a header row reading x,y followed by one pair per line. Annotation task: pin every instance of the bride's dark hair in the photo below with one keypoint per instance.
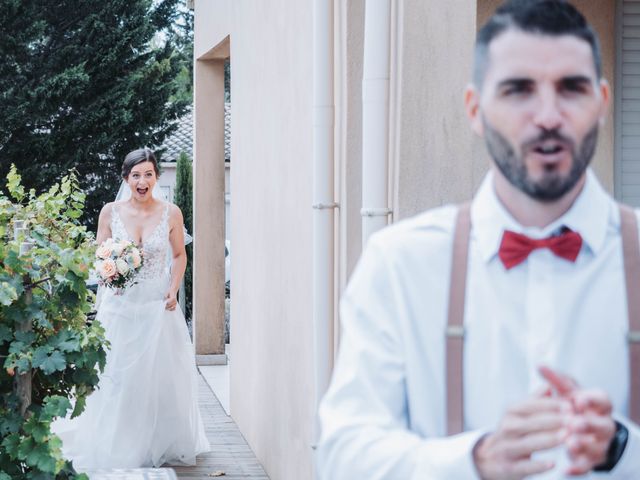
x,y
135,157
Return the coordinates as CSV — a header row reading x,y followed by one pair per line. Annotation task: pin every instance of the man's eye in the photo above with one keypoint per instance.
x,y
574,87
517,90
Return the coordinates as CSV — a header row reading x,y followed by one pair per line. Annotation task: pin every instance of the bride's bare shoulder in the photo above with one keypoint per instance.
x,y
107,208
104,222
175,214
105,213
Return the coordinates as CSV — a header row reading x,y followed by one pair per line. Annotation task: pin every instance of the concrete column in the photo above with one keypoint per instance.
x,y
208,214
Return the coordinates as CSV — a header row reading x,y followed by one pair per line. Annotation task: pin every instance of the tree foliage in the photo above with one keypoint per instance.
x,y
183,198
44,332
84,82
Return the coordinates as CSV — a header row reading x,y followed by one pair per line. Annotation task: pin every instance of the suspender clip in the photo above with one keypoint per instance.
x,y
455,331
633,336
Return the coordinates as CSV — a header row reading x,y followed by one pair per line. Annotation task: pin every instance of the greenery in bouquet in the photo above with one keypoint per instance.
x,y
117,263
50,352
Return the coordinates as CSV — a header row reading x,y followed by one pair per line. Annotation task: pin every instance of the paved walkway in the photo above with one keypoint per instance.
x,y
229,453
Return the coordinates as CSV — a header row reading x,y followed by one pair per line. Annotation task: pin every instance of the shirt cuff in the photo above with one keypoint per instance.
x,y
448,457
629,464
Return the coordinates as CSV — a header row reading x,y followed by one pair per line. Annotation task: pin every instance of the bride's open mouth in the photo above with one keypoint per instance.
x,y
142,191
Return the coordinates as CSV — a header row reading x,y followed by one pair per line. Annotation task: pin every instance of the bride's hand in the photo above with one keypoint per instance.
x,y
171,300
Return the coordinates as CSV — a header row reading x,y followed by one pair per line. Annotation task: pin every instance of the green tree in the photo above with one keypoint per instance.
x,y
81,84
183,198
50,352
181,33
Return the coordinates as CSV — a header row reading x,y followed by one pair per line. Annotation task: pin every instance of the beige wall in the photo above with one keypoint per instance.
x,y
271,232
349,64
434,161
271,224
212,24
601,14
208,211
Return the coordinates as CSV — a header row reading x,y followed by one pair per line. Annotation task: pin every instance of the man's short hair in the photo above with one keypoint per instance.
x,y
545,17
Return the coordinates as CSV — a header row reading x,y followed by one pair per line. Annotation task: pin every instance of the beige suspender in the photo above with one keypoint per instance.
x,y
631,257
455,322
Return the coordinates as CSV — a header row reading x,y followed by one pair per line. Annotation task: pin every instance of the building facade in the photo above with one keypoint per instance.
x,y
347,115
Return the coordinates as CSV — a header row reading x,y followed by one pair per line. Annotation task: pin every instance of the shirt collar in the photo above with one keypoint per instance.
x,y
589,215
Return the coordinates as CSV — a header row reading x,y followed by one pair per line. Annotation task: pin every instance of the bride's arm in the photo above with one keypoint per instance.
x,y
104,224
176,238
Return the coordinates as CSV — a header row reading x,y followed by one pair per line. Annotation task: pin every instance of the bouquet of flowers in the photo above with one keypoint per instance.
x,y
117,263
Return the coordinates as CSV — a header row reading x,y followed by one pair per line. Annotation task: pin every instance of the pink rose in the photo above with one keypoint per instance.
x,y
107,269
135,258
104,251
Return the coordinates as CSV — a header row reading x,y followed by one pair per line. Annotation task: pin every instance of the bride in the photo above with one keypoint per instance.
x,y
145,411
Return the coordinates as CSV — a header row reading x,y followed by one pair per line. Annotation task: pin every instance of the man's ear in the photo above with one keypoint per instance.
x,y
605,94
472,108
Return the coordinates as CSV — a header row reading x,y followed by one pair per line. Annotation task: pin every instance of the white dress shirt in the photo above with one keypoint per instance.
x,y
384,415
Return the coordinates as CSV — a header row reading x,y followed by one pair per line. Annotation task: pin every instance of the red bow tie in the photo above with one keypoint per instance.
x,y
515,247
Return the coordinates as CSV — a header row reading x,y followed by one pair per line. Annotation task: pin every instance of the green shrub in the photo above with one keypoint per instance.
x,y
46,343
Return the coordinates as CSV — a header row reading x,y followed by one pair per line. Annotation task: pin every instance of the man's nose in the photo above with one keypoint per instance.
x,y
548,114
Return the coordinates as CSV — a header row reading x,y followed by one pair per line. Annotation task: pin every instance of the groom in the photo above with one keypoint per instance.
x,y
521,366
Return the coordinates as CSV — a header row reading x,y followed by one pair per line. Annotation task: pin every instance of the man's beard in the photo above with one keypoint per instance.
x,y
552,185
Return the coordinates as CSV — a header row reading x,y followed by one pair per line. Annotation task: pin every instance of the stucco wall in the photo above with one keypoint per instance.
x,y
212,24
350,43
434,164
271,224
601,15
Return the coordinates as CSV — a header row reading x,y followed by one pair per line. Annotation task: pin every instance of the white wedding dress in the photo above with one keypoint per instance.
x,y
145,412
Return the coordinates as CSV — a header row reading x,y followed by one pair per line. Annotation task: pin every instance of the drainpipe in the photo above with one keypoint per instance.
x,y
323,199
375,116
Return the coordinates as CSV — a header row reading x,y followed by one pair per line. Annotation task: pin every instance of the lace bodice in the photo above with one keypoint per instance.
x,y
155,248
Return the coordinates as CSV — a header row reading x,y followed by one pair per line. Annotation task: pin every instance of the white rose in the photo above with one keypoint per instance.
x,y
122,266
117,249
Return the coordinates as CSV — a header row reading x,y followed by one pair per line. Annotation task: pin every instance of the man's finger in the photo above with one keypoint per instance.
x,y
545,391
581,466
526,467
596,400
603,428
525,446
585,452
517,426
564,384
535,406
587,446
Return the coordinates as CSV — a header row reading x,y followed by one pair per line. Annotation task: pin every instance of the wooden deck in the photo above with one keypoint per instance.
x,y
229,453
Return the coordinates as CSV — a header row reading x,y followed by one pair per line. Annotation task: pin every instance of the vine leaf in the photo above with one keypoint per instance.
x,y
37,429
56,406
8,294
5,335
49,360
66,341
